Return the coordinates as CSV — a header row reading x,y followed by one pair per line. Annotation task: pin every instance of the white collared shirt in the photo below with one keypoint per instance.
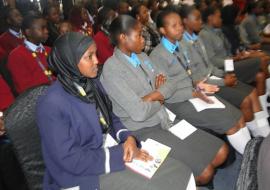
x,y
33,47
16,34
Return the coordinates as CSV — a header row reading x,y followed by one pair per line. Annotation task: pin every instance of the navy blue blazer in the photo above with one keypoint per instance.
x,y
72,141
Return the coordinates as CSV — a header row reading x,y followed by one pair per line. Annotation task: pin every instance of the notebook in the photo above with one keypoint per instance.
x,y
158,151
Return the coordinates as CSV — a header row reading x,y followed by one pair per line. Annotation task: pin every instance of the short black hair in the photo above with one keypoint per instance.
x,y
208,12
252,5
161,17
8,11
136,10
186,10
113,4
123,24
29,19
47,9
103,18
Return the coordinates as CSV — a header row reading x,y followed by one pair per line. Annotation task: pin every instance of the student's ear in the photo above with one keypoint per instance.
x,y
122,37
162,31
185,20
138,17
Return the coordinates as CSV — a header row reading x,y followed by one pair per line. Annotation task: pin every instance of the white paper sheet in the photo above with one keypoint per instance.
x,y
201,105
215,78
182,129
228,65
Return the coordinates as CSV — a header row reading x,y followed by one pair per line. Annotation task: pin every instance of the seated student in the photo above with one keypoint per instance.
x,y
230,17
64,27
250,32
6,96
78,17
150,34
12,38
52,14
79,117
239,94
218,49
134,87
230,27
102,40
28,62
170,58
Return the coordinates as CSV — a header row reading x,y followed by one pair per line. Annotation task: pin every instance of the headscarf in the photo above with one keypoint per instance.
x,y
64,59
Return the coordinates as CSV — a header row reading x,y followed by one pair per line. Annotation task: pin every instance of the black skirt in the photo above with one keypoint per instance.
x,y
247,69
197,151
216,120
235,95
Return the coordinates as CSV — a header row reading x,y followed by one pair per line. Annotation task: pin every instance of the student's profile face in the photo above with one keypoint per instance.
x,y
15,18
173,27
194,21
216,19
54,15
38,30
88,65
134,40
143,15
64,28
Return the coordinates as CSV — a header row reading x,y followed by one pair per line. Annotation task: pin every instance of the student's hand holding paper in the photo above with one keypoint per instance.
x,y
202,96
131,151
143,156
230,80
154,96
207,88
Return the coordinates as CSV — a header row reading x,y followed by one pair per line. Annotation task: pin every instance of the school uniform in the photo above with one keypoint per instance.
x,y
10,39
172,61
104,46
249,30
72,145
202,68
218,49
28,66
6,96
128,79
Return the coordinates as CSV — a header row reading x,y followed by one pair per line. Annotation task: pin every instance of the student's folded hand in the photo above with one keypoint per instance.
x,y
230,80
160,80
154,96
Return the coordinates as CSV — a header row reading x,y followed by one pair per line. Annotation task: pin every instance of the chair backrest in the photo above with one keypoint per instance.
x,y
24,135
247,179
